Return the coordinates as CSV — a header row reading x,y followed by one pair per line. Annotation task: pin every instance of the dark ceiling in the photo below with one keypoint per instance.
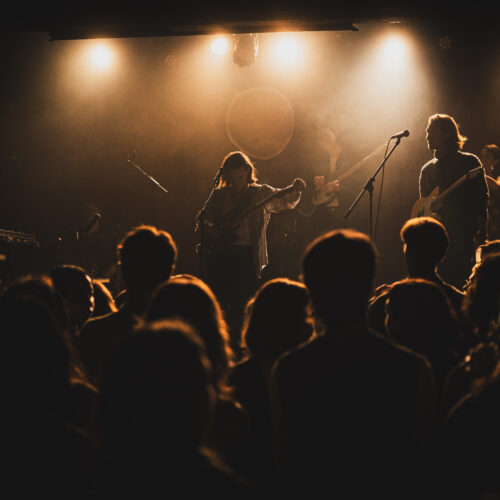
x,y
74,20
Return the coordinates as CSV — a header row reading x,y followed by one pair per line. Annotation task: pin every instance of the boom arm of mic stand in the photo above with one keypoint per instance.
x,y
154,181
369,184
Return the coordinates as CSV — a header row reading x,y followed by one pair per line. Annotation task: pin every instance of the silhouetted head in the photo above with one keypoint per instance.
x,y
147,257
480,304
490,157
419,316
192,300
338,270
237,169
487,248
276,319
77,290
35,358
157,396
425,241
103,298
443,133
41,288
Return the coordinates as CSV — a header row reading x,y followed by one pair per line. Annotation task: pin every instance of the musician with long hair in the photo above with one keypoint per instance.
x,y
464,209
237,215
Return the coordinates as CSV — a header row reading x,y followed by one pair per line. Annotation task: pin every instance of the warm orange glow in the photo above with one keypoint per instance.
x,y
220,46
394,49
101,56
287,49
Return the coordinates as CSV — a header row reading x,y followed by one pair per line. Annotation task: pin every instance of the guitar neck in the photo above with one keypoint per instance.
x,y
236,220
469,175
357,166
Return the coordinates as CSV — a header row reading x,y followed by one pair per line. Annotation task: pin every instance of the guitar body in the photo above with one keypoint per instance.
x,y
423,207
224,233
430,205
326,196
218,236
322,198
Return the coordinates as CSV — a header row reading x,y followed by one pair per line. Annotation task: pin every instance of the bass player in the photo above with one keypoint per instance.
x,y
464,212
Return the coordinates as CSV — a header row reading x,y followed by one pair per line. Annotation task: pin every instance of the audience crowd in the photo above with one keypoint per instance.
x,y
337,390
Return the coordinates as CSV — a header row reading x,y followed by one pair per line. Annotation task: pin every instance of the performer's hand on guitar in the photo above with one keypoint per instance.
x,y
328,188
331,187
299,185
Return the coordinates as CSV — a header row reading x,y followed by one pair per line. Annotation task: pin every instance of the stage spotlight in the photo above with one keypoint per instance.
x,y
286,50
101,56
220,46
245,49
394,49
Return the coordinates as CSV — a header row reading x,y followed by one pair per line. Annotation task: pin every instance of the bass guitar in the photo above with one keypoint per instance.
x,y
430,205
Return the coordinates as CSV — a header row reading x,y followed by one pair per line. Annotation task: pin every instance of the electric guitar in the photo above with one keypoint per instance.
x,y
322,196
224,232
430,205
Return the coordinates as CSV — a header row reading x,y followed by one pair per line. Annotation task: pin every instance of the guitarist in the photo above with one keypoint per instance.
x,y
464,212
325,198
237,249
490,158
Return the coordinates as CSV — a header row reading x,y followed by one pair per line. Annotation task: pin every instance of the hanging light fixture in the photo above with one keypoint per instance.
x,y
245,49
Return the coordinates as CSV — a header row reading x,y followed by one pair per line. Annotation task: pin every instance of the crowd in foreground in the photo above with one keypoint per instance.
x,y
331,389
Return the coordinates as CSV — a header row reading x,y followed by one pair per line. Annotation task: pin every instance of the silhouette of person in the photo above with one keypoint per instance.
x,y
481,311
425,242
464,211
77,291
275,322
47,455
158,400
146,257
490,158
191,300
237,247
350,404
104,303
419,316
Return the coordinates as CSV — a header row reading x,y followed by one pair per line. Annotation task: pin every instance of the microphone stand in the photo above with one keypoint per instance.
x,y
369,187
200,224
154,181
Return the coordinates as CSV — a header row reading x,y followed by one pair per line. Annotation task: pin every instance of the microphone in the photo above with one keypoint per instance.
x,y
404,133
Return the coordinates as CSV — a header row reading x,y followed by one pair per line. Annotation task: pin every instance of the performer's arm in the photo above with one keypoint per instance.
x,y
289,200
482,209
